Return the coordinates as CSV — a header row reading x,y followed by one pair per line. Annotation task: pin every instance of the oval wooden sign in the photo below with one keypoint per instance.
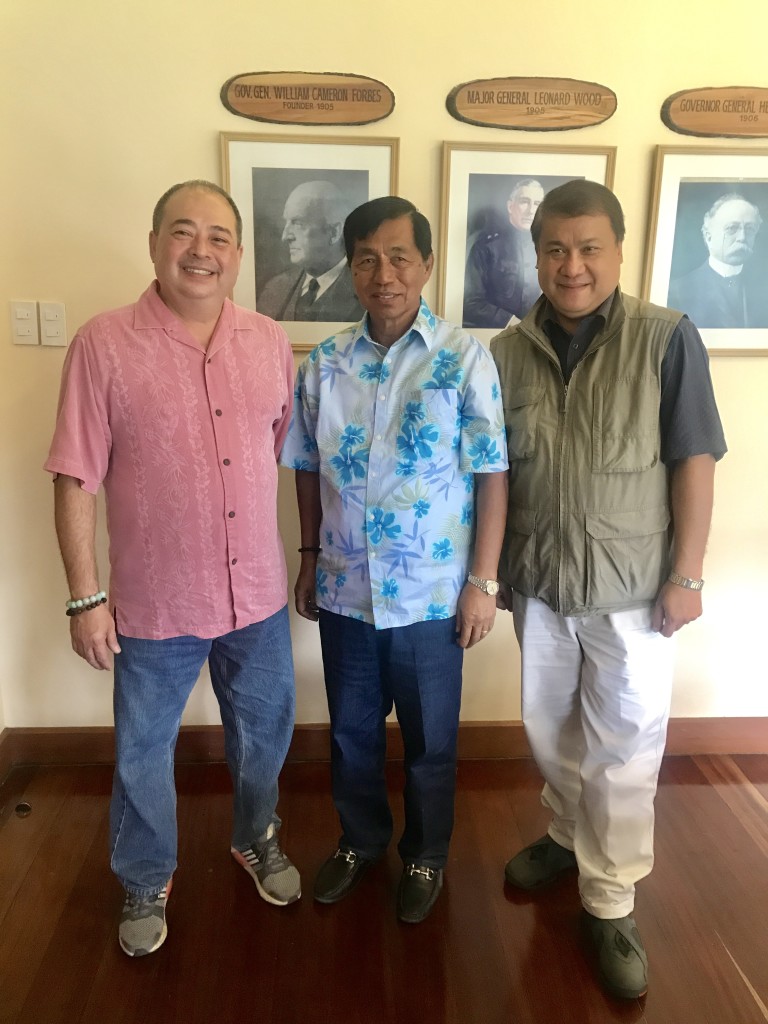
x,y
531,104
298,97
732,112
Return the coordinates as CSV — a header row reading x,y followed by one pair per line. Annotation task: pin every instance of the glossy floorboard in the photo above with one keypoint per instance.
x,y
485,956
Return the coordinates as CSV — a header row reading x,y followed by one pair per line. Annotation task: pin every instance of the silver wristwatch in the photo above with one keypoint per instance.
x,y
684,581
490,587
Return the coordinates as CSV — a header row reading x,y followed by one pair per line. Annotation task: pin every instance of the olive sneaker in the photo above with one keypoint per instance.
x,y
539,864
622,963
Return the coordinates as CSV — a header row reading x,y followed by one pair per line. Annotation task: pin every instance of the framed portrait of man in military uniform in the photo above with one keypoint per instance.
x,y
490,196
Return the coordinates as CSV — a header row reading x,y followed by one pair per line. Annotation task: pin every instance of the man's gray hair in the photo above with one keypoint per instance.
x,y
524,183
205,186
323,199
730,197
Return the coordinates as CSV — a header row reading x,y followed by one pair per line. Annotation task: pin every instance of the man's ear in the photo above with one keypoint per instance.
x,y
337,230
152,245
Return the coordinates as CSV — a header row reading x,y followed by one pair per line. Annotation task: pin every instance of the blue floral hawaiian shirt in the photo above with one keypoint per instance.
x,y
397,436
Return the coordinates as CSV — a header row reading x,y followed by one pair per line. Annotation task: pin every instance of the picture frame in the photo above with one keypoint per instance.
x,y
707,244
477,184
332,174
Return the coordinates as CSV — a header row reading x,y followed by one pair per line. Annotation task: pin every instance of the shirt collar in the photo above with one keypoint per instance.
x,y
324,281
151,313
424,327
725,269
549,316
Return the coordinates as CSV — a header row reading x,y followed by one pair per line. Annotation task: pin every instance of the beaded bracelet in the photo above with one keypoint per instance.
x,y
310,547
84,604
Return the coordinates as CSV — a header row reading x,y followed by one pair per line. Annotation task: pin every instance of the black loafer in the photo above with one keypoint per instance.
x,y
339,875
419,888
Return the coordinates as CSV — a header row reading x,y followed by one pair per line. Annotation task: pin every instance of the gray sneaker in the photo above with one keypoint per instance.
x,y
276,878
142,922
539,864
622,963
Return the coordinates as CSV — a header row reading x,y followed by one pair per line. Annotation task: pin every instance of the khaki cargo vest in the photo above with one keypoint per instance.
x,y
588,517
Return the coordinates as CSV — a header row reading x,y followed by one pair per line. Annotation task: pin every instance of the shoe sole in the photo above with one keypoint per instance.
x,y
267,897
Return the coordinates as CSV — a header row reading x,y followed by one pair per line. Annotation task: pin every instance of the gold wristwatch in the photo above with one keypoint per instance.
x,y
489,587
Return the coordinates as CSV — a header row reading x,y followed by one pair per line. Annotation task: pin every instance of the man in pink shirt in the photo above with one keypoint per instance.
x,y
179,404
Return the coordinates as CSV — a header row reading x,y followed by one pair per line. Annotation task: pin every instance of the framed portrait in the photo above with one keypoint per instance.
x,y
490,194
294,193
707,251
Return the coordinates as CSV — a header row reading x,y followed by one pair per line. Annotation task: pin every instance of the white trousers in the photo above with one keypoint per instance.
x,y
596,695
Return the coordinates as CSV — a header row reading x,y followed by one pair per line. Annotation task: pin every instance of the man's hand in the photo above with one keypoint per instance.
x,y
304,591
504,597
675,607
474,615
94,637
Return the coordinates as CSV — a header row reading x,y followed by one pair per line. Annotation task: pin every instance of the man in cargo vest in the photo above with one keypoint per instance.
x,y
613,435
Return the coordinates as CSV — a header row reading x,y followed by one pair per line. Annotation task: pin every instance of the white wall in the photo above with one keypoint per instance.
x,y
108,105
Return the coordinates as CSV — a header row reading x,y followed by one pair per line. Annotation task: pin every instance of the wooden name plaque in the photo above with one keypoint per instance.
x,y
531,104
298,97
731,112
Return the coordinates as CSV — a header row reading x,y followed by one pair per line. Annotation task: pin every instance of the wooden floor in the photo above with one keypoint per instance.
x,y
485,956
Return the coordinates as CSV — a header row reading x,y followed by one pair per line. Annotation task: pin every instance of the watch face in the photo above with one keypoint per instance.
x,y
492,588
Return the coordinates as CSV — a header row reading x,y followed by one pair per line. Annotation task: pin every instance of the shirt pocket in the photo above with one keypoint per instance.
x,y
431,416
521,416
625,425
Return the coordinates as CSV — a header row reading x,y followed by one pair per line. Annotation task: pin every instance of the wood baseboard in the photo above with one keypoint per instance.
x,y
492,740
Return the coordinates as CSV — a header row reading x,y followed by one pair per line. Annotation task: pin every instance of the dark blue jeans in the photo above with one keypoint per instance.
x,y
252,676
418,669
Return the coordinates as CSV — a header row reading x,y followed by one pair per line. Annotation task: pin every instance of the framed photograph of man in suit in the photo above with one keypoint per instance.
x,y
707,252
294,195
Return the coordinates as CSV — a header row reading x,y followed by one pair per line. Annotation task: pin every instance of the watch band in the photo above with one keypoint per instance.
x,y
490,587
684,581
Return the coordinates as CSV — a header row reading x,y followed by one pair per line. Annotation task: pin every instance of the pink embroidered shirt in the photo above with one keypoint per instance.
x,y
186,443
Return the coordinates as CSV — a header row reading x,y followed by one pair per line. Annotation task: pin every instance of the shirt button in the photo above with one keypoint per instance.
x,y
371,517
218,412
378,437
382,398
231,515
234,561
226,462
373,473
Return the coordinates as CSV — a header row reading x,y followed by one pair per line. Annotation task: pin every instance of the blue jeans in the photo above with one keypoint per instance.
x,y
418,669
252,675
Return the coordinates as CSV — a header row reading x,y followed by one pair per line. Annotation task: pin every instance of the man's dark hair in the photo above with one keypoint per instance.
x,y
367,218
206,186
579,198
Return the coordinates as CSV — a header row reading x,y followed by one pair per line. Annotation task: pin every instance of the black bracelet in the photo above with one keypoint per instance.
x,y
310,547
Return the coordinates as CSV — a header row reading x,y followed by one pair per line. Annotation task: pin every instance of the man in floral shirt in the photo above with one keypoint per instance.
x,y
400,455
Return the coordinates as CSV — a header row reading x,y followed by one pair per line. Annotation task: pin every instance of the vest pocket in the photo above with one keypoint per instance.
x,y
521,414
625,426
519,548
626,556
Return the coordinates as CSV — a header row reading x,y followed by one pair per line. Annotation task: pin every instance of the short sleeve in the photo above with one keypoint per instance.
x,y
300,447
483,441
688,416
81,442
